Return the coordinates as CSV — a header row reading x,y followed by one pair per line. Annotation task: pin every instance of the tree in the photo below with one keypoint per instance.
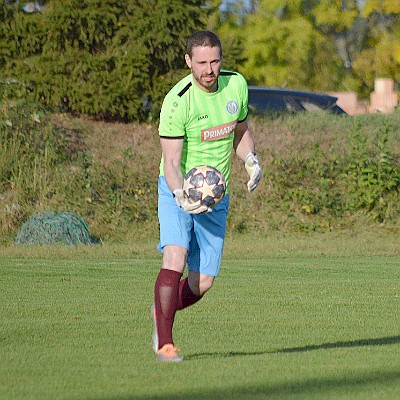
x,y
380,54
226,20
105,58
366,34
283,48
321,44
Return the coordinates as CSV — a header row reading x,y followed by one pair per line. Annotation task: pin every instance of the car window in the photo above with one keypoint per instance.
x,y
264,101
261,102
293,105
310,106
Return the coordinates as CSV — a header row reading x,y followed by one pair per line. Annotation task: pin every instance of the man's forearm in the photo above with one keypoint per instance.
x,y
245,145
173,176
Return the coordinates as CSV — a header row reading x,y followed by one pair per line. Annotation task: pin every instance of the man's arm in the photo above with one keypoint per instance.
x,y
172,151
243,144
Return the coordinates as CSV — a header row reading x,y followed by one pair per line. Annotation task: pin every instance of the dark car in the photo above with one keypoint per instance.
x,y
263,100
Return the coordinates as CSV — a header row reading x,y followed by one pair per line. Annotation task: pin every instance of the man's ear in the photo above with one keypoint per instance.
x,y
188,61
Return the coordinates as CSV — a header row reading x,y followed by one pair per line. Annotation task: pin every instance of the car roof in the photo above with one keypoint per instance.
x,y
266,99
293,93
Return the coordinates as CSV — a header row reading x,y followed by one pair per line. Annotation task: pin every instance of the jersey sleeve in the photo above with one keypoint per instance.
x,y
172,116
244,95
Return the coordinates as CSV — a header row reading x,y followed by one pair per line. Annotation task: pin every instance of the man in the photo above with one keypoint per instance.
x,y
202,118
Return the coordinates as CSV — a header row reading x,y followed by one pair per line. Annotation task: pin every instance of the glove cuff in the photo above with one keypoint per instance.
x,y
252,155
177,193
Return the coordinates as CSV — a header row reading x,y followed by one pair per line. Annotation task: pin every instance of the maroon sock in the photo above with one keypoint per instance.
x,y
166,299
186,296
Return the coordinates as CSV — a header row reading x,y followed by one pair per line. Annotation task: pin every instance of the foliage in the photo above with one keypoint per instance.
x,y
324,45
321,45
321,172
333,184
30,154
373,177
226,19
115,60
287,52
86,56
44,165
381,58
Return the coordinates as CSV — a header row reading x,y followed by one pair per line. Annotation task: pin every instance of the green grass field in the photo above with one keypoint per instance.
x,y
289,318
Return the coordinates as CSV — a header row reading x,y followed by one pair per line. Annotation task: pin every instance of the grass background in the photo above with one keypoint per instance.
x,y
290,317
307,303
321,173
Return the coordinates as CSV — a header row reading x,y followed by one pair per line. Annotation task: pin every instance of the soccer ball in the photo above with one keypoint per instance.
x,y
205,185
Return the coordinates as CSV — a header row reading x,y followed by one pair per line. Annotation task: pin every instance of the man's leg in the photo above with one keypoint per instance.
x,y
204,257
192,289
175,231
166,293
166,297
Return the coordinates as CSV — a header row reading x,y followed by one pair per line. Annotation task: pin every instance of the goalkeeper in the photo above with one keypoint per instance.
x,y
203,117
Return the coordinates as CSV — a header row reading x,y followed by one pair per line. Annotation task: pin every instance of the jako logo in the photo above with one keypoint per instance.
x,y
202,117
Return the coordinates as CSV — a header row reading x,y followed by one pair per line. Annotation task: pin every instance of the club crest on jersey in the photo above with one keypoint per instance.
x,y
232,107
218,132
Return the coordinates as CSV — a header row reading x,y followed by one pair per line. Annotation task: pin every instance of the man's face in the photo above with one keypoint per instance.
x,y
205,65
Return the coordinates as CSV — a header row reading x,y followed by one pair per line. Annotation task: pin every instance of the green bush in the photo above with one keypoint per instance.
x,y
321,172
95,57
373,174
30,153
45,166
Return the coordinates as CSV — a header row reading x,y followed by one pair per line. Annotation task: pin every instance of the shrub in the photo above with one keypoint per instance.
x,y
320,173
47,166
101,58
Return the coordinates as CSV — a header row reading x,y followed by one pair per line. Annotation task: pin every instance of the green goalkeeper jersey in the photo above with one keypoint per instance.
x,y
206,121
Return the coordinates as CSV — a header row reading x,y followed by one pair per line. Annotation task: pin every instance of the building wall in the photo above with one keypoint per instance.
x,y
383,99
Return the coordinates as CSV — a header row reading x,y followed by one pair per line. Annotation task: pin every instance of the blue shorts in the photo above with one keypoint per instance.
x,y
202,235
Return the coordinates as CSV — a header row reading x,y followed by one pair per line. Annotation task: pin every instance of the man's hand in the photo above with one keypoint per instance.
x,y
254,170
187,206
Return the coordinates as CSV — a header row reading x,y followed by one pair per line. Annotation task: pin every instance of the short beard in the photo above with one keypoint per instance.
x,y
211,88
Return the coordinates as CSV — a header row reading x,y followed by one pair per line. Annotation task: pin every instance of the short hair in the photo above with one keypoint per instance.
x,y
203,38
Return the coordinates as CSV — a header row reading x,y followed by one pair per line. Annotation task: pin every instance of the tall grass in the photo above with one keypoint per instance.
x,y
61,164
31,153
321,173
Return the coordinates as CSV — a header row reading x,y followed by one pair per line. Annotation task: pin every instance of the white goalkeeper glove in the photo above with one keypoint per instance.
x,y
184,203
254,170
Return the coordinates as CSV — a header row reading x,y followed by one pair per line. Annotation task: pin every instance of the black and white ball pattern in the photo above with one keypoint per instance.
x,y
204,184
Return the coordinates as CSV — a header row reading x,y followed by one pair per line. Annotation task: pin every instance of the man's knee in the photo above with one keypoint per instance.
x,y
174,258
200,283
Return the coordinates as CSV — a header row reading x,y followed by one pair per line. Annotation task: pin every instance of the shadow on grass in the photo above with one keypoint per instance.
x,y
324,346
311,387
